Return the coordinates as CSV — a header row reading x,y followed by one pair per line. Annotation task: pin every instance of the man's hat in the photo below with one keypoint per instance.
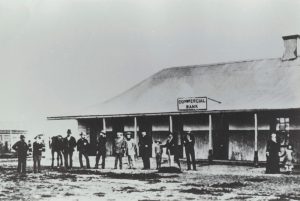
x,y
69,131
103,131
22,136
188,130
39,136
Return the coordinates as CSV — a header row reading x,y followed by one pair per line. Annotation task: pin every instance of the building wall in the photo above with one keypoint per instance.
x,y
201,144
241,145
262,144
241,136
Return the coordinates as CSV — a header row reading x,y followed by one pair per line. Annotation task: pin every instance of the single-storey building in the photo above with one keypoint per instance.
x,y
8,137
231,107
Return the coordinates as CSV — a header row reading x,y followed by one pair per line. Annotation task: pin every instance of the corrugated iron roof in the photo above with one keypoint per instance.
x,y
243,85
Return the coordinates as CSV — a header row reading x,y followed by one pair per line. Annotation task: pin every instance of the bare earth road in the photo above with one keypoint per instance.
x,y
214,182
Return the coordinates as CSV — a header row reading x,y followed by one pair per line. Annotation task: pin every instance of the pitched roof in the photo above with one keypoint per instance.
x,y
243,85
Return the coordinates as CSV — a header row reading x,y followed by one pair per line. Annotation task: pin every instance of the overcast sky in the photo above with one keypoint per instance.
x,y
61,56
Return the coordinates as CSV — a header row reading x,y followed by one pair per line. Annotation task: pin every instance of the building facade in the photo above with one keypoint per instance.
x,y
231,107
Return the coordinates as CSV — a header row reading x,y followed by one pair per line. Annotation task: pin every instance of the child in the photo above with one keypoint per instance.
x,y
158,153
289,159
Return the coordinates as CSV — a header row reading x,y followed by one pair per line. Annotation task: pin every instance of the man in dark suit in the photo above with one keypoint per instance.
x,y
146,149
38,148
101,149
189,142
21,147
82,148
69,145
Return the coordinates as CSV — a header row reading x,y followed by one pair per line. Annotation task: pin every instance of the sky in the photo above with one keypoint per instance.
x,y
58,57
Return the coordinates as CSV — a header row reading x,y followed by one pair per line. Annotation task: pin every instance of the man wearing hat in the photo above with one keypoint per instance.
x,y
119,148
82,147
146,149
131,150
38,147
69,145
21,147
101,148
189,142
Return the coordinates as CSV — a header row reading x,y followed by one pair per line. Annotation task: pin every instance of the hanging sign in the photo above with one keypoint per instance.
x,y
192,103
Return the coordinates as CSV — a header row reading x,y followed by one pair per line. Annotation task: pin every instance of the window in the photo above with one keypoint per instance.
x,y
283,124
283,128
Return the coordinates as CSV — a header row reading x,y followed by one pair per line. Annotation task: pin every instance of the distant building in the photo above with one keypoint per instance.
x,y
8,138
232,107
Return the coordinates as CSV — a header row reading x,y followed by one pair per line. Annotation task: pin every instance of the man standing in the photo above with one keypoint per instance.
x,y
146,149
82,147
101,149
69,145
172,149
21,147
189,142
38,147
130,150
119,149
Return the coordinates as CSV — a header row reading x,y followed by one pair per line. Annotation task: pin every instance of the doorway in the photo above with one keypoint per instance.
x,y
220,130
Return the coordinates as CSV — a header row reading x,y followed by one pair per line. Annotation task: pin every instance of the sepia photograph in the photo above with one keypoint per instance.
x,y
138,100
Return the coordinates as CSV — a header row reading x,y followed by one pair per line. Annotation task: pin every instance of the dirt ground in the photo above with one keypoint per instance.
x,y
209,182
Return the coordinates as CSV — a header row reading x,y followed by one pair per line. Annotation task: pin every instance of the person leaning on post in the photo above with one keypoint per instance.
x,y
21,147
172,149
82,148
38,147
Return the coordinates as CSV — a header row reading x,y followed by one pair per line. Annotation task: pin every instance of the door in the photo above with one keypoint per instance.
x,y
178,131
94,128
220,137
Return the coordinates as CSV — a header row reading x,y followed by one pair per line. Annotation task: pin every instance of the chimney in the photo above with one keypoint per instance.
x,y
290,45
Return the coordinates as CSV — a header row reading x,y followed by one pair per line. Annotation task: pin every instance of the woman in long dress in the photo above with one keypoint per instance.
x,y
273,153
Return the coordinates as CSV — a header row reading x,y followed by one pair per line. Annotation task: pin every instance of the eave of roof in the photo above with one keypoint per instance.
x,y
76,117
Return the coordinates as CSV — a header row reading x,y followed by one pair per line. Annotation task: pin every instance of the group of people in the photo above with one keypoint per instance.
x,y
172,150
127,146
274,153
21,147
123,145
